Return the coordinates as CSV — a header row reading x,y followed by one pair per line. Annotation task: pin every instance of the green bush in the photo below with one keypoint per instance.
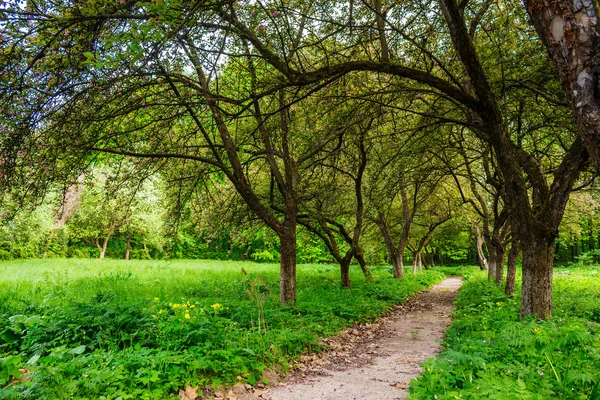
x,y
5,255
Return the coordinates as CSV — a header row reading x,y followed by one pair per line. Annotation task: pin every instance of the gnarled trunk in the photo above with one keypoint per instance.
x,y
570,32
104,246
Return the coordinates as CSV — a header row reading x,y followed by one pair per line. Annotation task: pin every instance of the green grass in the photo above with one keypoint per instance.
x,y
489,353
145,329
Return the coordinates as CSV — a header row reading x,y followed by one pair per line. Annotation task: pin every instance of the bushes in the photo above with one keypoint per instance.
x,y
491,354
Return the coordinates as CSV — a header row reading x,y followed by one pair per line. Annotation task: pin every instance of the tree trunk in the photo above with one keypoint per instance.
x,y
360,257
128,248
146,249
287,267
492,259
424,260
511,274
570,32
480,255
398,263
431,258
499,250
538,260
414,263
345,273
396,253
420,263
104,245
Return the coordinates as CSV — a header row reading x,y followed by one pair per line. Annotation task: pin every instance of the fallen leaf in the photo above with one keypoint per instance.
x,y
231,395
189,393
398,385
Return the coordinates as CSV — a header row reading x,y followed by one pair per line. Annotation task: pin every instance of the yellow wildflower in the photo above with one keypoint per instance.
x,y
217,306
187,315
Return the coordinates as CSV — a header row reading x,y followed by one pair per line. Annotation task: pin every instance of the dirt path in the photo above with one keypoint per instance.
x,y
375,361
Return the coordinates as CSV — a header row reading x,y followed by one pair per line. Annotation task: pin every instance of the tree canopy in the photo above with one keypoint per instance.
x,y
303,106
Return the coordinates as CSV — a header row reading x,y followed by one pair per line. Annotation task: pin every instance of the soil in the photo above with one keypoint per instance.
x,y
373,361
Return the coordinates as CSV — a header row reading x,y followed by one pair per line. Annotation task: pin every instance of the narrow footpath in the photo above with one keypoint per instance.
x,y
375,361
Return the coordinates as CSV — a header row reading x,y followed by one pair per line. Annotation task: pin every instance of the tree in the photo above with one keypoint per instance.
x,y
440,208
535,204
330,208
145,219
409,186
104,208
485,186
570,32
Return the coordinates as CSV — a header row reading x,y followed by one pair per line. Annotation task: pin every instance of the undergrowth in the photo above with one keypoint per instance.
x,y
489,353
143,330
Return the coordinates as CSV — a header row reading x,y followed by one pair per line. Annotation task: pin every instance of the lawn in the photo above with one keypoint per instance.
x,y
108,329
491,354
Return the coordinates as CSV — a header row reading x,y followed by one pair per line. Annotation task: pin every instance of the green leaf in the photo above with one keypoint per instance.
x,y
249,351
29,322
33,359
77,350
16,319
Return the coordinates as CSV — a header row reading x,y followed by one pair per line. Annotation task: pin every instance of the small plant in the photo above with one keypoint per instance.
x,y
258,293
414,334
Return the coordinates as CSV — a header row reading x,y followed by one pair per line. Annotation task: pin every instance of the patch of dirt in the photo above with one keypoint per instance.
x,y
374,361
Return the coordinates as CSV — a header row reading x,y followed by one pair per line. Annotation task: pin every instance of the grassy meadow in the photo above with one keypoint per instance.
x,y
109,329
491,354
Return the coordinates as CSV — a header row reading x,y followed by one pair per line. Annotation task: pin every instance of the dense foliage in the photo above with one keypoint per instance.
x,y
344,118
491,354
144,329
